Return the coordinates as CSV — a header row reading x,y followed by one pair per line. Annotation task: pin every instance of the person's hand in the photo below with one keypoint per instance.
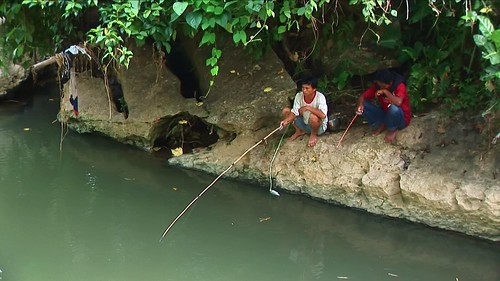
x,y
283,123
382,93
360,109
303,109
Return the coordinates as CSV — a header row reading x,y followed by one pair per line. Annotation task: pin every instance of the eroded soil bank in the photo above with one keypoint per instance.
x,y
441,172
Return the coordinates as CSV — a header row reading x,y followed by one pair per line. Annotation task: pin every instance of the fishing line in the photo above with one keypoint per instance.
x,y
213,182
271,190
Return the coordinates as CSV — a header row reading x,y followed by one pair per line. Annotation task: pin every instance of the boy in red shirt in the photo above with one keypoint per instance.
x,y
393,112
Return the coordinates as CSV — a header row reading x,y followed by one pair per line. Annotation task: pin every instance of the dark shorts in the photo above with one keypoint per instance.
x,y
299,121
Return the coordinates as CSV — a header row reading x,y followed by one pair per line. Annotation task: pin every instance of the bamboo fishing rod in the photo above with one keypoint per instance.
x,y
213,182
350,124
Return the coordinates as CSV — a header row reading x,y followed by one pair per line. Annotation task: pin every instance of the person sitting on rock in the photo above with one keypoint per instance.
x,y
393,112
309,112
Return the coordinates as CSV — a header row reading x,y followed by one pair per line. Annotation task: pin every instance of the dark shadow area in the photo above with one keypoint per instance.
x,y
23,91
182,131
116,92
21,97
180,64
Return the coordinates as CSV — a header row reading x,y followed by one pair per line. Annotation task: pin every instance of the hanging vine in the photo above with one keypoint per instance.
x,y
29,24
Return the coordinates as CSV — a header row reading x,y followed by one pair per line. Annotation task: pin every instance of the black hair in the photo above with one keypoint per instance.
x,y
387,77
384,75
313,81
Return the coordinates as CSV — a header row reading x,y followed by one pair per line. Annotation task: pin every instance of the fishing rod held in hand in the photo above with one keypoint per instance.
x,y
214,181
350,124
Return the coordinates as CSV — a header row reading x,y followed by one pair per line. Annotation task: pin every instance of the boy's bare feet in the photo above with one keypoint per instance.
x,y
379,130
296,135
390,136
312,141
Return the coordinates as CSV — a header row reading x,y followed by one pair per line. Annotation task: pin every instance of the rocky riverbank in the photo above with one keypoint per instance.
x,y
438,179
441,172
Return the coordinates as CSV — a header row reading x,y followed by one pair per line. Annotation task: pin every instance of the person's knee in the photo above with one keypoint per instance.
x,y
394,109
314,121
286,111
394,112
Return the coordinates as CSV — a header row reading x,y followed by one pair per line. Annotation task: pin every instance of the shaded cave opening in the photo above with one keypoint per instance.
x,y
184,133
116,94
178,61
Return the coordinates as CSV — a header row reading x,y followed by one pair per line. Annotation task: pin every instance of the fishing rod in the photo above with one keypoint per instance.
x,y
271,190
352,121
213,182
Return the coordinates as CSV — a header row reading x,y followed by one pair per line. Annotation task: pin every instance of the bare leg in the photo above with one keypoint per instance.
x,y
286,111
314,122
313,139
390,136
379,130
298,132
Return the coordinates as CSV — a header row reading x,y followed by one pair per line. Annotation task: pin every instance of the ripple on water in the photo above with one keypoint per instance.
x,y
5,144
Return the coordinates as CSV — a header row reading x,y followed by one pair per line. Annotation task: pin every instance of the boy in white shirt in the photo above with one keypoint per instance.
x,y
309,112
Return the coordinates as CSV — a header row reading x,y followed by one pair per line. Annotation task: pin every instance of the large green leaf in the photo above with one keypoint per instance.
x,y
222,20
485,26
480,40
180,7
495,37
194,19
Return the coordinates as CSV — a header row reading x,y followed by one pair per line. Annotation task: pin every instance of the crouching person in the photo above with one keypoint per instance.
x,y
393,112
309,112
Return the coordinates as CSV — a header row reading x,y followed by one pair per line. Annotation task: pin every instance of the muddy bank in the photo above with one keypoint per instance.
x,y
441,172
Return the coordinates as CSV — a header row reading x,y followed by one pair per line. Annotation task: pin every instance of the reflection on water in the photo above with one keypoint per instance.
x,y
96,210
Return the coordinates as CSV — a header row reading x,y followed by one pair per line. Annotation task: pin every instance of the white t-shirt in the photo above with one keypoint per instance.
x,y
318,102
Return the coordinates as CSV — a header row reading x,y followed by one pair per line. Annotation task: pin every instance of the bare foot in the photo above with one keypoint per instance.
x,y
296,135
312,141
390,136
378,131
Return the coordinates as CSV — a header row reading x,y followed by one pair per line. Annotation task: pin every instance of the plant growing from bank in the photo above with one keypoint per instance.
x,y
449,47
452,50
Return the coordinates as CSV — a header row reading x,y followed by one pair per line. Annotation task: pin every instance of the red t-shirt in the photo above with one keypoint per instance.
x,y
400,91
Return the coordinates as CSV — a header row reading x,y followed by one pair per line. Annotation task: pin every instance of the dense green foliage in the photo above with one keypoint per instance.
x,y
450,48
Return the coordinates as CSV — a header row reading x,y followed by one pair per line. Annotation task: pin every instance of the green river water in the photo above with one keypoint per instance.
x,y
96,211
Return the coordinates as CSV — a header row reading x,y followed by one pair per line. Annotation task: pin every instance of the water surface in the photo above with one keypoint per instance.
x,y
96,211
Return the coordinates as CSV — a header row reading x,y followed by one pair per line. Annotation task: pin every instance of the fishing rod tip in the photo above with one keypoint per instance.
x,y
161,238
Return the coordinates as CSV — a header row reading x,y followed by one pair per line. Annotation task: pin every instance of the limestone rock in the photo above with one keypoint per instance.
x,y
407,180
439,172
14,76
492,201
235,103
